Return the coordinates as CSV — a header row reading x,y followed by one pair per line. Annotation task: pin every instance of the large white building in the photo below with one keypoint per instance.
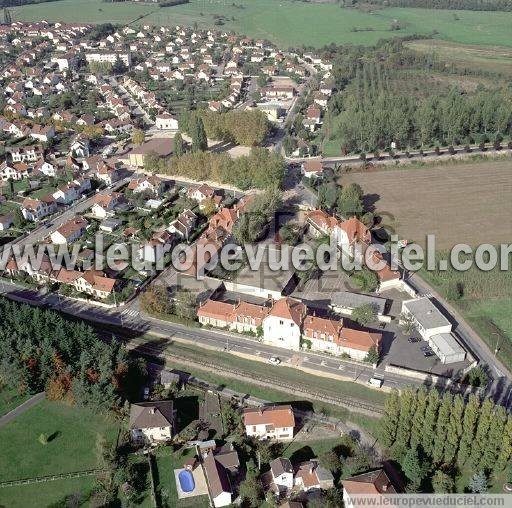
x,y
109,57
165,121
434,327
282,325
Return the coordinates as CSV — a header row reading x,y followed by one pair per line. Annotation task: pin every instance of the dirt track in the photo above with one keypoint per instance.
x,y
466,203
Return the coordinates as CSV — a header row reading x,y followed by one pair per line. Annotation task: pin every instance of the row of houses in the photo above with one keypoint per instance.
x,y
218,467
288,323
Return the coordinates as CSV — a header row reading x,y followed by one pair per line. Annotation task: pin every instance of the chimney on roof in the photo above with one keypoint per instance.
x,y
385,487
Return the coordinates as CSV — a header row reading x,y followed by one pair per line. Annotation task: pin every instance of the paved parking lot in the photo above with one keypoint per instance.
x,y
399,351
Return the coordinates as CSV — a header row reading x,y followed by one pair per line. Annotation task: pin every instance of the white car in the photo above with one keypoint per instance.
x,y
274,360
376,381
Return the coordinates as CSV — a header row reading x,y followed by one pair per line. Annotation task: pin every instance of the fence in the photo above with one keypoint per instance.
x,y
50,478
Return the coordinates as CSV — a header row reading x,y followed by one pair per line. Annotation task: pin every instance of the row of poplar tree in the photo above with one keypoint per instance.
x,y
448,431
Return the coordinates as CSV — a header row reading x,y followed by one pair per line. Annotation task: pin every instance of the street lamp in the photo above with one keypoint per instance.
x,y
497,348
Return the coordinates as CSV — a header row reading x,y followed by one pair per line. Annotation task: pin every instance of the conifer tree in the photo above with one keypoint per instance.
x,y
390,419
468,429
443,419
429,422
482,429
418,418
505,452
454,430
407,407
494,440
442,483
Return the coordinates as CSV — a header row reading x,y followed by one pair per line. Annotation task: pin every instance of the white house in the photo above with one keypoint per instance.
x,y
282,325
165,121
151,422
35,209
270,422
219,487
69,232
281,470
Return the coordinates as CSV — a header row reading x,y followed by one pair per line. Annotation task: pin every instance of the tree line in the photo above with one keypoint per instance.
x,y
41,350
372,113
259,169
434,437
469,5
248,127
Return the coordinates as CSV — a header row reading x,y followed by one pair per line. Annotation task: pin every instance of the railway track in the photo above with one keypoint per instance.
x,y
350,403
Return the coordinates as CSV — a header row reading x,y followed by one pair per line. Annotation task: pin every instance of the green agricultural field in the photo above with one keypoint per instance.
x,y
288,23
476,58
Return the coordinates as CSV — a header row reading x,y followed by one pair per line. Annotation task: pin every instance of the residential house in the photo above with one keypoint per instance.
x,y
45,167
184,224
15,172
282,326
151,184
69,232
311,476
107,173
270,422
36,209
105,204
335,337
42,132
6,222
312,167
217,479
166,121
27,153
358,489
96,284
152,422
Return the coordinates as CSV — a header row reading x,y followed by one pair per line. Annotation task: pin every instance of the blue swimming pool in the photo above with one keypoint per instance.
x,y
186,479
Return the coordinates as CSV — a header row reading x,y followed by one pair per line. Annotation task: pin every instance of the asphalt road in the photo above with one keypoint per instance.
x,y
11,415
134,320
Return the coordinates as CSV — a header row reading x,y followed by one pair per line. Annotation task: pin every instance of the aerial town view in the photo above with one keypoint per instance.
x,y
255,253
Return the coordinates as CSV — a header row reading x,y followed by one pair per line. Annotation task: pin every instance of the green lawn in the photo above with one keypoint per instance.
x,y
306,450
485,303
72,435
9,399
47,494
166,462
289,23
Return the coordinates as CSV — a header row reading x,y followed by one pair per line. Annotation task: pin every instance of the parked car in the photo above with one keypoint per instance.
x,y
274,360
376,381
146,393
413,339
428,354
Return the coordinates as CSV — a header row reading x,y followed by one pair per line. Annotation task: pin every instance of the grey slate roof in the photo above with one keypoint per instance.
x,y
147,415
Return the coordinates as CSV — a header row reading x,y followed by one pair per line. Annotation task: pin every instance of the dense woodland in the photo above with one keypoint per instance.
x,y
388,94
470,5
260,169
248,128
439,439
41,350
